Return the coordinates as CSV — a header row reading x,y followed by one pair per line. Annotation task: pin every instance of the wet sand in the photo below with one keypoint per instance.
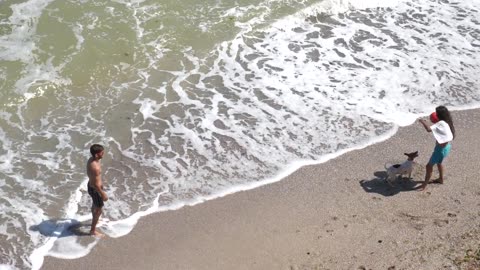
x,y
335,215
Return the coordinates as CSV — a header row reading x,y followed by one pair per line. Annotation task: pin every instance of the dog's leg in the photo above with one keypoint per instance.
x,y
390,180
410,174
390,183
391,176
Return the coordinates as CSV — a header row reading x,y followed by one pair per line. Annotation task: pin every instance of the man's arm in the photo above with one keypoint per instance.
x,y
98,182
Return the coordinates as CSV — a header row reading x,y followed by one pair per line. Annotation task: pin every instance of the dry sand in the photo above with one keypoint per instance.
x,y
336,215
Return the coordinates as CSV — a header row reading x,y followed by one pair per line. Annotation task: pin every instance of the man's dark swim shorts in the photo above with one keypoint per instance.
x,y
97,199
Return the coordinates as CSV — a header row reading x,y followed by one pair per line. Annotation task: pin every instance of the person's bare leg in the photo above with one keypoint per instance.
x,y
96,212
440,172
428,175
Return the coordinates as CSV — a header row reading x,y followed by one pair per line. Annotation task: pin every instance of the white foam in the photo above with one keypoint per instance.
x,y
20,45
148,107
77,30
281,36
69,248
56,245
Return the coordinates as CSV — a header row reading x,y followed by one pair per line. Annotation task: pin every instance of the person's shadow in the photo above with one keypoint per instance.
x,y
381,186
62,228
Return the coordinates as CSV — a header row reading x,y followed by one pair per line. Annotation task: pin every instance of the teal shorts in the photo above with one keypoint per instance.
x,y
439,153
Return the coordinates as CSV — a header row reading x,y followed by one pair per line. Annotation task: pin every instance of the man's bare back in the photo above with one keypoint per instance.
x,y
94,171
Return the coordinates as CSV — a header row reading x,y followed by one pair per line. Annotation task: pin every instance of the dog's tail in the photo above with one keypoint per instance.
x,y
388,165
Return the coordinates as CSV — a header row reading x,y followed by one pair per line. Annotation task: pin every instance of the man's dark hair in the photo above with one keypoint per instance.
x,y
95,149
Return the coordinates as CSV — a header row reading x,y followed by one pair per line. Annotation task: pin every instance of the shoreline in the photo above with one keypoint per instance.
x,y
335,214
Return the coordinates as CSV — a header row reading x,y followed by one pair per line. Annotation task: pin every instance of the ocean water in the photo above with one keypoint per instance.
x,y
199,99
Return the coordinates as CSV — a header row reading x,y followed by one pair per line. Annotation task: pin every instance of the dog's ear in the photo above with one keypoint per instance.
x,y
406,154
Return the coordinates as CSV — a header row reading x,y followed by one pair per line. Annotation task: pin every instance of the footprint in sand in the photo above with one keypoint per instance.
x,y
440,222
415,221
418,226
425,194
451,215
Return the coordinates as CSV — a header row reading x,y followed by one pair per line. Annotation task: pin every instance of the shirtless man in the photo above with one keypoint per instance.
x,y
95,187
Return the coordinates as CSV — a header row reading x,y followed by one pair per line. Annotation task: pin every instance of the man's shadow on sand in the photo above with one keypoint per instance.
x,y
62,228
381,186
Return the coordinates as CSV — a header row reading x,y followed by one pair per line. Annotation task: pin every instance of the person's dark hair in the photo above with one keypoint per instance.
x,y
95,149
444,114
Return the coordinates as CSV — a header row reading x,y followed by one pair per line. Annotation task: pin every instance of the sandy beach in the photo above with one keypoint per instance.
x,y
335,215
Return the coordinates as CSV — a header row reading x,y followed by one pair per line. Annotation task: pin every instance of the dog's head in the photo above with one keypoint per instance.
x,y
411,156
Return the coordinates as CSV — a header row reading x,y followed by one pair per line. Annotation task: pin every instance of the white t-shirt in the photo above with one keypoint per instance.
x,y
441,131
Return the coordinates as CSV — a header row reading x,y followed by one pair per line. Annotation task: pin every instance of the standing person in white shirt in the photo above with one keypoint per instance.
x,y
443,132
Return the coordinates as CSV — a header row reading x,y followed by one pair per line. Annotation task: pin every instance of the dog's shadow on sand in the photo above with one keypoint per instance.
x,y
62,228
380,186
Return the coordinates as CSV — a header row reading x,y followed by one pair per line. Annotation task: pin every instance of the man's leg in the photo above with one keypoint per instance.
x,y
96,212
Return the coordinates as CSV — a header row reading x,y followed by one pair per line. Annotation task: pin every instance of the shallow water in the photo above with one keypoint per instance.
x,y
197,100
